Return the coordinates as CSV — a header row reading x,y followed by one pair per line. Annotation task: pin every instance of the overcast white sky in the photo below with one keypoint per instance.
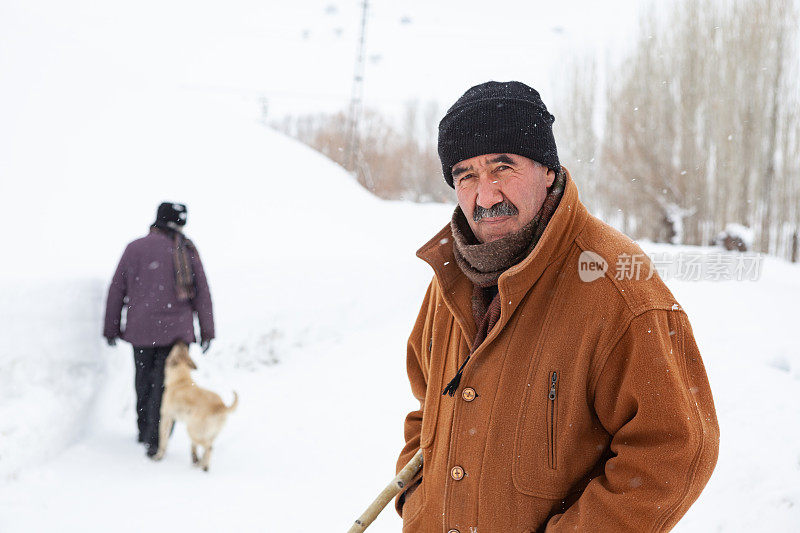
x,y
97,55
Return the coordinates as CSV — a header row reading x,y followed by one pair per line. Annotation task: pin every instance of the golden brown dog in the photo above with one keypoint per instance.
x,y
202,410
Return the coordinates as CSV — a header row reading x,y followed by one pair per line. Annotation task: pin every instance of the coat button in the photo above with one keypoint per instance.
x,y
457,473
454,531
468,394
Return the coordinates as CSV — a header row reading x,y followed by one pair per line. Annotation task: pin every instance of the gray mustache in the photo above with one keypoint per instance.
x,y
500,209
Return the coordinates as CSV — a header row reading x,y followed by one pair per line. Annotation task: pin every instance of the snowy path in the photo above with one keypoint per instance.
x,y
314,438
297,443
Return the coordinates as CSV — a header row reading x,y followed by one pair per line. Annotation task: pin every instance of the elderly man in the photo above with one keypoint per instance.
x,y
555,394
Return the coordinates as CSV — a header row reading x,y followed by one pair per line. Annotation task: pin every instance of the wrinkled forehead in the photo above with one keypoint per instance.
x,y
485,160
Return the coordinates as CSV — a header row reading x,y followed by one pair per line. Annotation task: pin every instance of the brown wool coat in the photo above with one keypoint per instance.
x,y
592,409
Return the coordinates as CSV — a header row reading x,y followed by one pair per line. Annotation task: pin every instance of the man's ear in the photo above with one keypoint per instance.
x,y
551,177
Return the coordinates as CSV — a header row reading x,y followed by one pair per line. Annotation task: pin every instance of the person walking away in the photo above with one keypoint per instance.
x,y
161,282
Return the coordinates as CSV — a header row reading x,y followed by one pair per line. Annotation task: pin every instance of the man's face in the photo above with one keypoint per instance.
x,y
500,193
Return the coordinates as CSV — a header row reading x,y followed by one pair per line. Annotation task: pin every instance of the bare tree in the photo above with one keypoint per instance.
x,y
578,143
701,123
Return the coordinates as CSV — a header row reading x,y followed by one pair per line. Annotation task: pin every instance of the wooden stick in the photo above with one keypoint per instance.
x,y
392,489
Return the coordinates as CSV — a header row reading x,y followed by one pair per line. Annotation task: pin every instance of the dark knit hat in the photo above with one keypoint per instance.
x,y
169,212
497,117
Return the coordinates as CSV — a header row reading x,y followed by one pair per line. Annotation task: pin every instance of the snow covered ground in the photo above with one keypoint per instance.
x,y
316,287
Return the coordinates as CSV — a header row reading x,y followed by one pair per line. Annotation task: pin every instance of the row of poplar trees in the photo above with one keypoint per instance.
x,y
698,127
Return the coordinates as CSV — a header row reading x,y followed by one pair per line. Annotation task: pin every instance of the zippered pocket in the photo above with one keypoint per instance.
x,y
543,430
552,419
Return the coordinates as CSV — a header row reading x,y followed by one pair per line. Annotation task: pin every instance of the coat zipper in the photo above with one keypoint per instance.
x,y
552,397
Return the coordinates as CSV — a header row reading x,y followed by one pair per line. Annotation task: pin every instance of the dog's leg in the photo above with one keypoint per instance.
x,y
164,427
206,458
195,459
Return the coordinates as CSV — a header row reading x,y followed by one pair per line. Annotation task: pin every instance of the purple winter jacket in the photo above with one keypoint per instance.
x,y
145,280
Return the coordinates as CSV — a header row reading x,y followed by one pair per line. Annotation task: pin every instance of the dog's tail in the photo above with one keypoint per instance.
x,y
232,407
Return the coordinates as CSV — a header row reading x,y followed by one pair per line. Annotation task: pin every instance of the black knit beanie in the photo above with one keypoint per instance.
x,y
495,118
170,212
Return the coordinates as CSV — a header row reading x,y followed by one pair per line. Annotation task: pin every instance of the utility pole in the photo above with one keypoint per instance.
x,y
356,99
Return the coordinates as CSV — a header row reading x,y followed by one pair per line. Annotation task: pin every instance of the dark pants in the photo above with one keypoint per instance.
x,y
149,389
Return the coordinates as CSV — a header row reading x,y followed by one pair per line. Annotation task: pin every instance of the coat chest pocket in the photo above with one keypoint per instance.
x,y
538,468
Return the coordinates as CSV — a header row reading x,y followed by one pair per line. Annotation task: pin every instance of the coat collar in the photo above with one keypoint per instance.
x,y
513,284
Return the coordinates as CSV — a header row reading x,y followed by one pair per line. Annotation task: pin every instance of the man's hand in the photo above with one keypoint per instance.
x,y
112,341
206,344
